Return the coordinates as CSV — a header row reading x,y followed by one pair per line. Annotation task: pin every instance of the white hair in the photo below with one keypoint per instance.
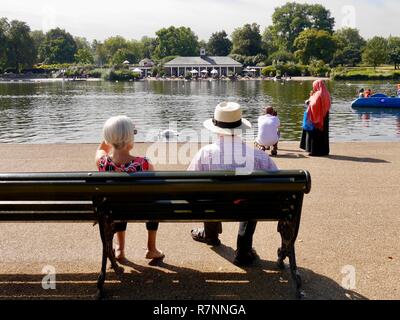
x,y
119,131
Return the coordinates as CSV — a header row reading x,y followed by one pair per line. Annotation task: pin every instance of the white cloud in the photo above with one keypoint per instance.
x,y
133,19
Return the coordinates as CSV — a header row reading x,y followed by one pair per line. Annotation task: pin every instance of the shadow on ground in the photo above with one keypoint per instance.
x,y
355,159
162,281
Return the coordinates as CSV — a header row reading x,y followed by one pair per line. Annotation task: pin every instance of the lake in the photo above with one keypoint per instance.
x,y
74,112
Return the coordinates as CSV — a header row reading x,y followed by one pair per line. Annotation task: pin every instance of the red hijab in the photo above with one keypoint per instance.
x,y
320,104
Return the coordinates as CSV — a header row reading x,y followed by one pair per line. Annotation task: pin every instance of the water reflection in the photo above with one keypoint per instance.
x,y
75,112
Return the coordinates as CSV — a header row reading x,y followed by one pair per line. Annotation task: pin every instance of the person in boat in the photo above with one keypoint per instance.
x,y
367,93
361,93
315,138
398,90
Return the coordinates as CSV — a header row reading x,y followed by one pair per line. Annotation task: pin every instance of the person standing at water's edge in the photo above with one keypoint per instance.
x,y
113,155
316,140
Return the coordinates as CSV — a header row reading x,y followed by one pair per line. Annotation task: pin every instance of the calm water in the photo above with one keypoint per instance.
x,y
75,111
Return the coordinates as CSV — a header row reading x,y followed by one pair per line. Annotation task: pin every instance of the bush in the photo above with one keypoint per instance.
x,y
10,70
96,73
318,68
249,60
74,72
121,75
157,71
53,67
269,71
188,76
289,69
281,56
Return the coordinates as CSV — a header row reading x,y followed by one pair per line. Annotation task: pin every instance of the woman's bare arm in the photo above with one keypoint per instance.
x,y
103,150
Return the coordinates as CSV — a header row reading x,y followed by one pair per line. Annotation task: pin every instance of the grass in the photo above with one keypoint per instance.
x,y
366,73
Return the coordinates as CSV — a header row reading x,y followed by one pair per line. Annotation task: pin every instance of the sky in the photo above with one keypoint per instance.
x,y
132,19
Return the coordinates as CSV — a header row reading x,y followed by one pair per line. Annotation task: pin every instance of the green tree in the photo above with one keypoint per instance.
x,y
112,45
3,42
21,51
176,42
376,52
351,38
81,43
347,56
219,44
120,56
38,38
247,40
350,45
269,42
394,51
118,49
100,54
293,18
84,56
315,44
281,56
58,47
149,46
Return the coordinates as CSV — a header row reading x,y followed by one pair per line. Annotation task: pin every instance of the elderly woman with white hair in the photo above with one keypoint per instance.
x,y
113,155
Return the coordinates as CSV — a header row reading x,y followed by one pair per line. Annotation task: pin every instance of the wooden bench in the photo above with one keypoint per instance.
x,y
107,198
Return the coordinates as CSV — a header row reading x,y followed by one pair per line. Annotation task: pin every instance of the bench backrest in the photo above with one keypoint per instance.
x,y
153,196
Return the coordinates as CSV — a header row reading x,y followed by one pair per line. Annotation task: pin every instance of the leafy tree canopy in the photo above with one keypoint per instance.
x,y
84,56
174,41
247,40
219,44
394,51
58,47
293,18
315,44
376,52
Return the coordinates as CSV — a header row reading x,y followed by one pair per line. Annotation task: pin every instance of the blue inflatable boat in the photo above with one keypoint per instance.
x,y
377,101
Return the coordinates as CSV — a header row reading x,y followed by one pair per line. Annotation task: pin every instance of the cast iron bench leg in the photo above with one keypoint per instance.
x,y
288,231
107,234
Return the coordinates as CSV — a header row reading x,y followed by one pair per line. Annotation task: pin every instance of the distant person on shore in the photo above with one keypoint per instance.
x,y
228,153
268,131
367,93
113,155
315,140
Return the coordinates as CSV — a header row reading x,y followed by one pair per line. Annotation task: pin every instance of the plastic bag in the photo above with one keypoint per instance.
x,y
307,124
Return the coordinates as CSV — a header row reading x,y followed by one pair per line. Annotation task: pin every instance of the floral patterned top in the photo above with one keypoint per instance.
x,y
106,164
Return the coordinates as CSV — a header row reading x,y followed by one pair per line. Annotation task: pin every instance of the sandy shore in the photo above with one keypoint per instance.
x,y
351,218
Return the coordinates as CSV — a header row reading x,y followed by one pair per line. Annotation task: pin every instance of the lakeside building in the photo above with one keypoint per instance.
x,y
144,66
203,65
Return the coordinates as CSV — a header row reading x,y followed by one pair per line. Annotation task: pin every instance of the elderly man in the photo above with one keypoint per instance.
x,y
230,152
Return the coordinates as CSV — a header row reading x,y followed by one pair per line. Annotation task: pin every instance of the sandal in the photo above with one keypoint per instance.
x,y
155,255
199,235
120,256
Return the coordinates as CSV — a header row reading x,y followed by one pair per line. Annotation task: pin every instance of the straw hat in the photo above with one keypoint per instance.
x,y
227,119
